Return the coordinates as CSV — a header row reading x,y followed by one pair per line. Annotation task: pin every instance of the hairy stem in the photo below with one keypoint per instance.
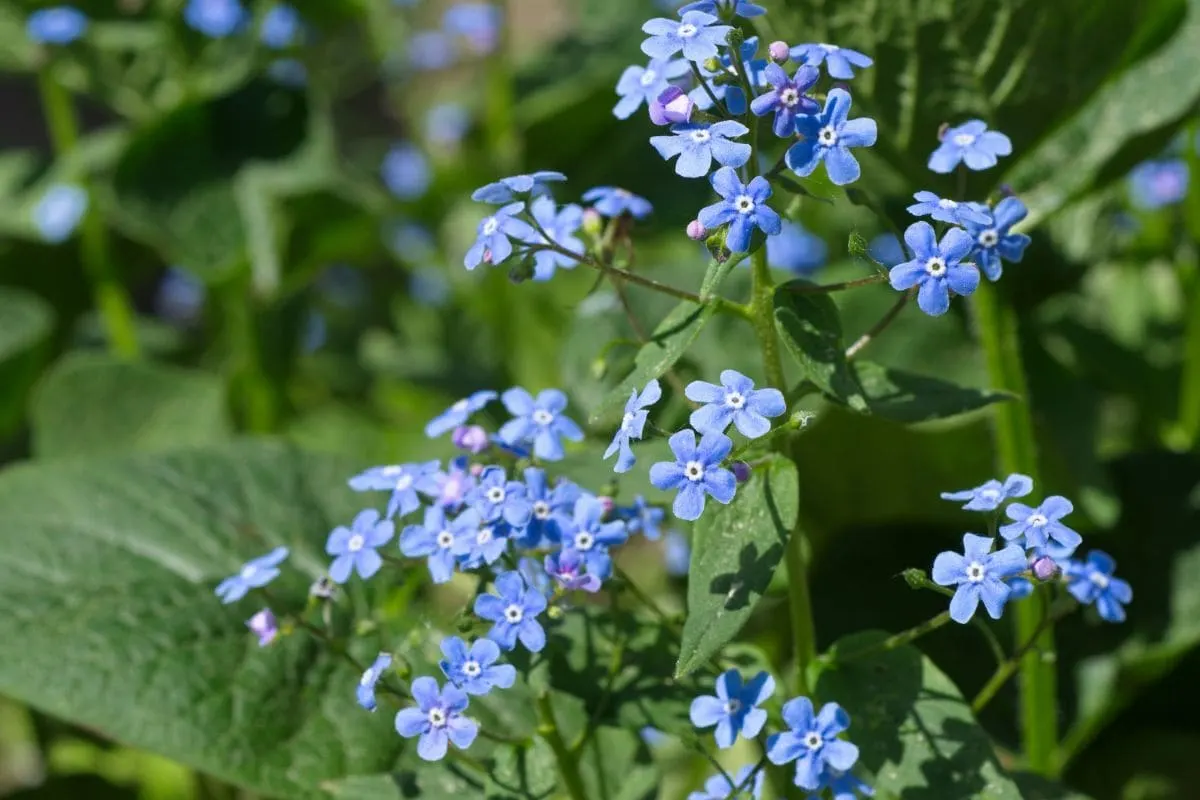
x,y
1006,670
896,640
568,764
815,288
880,326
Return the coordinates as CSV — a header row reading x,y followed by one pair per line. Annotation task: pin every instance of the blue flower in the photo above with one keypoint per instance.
x,y
737,401
591,538
993,238
787,99
539,422
430,50
513,610
643,518
552,509
935,267
988,496
839,61
812,741
57,25
979,575
180,297
215,18
696,472
406,171
354,548
731,94
1041,527
560,226
403,481
842,785
930,205
697,146
639,85
972,144
609,201
280,26
632,425
264,625
436,537
796,250
507,190
478,23
1157,184
718,787
695,35
566,567
60,211
481,545
535,575
738,8
459,413
677,554
734,709
495,496
886,249
365,693
1019,588
437,719
474,669
447,123
492,244
1092,581
743,207
288,72
828,137
452,486
254,574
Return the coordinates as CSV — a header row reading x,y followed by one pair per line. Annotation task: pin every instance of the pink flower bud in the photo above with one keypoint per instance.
x,y
779,52
471,438
606,503
695,230
671,107
1045,568
475,469
264,626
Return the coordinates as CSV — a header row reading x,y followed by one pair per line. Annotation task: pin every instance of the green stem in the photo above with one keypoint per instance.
x,y
1005,670
253,393
1189,380
896,640
112,301
1017,452
879,327
825,288
568,764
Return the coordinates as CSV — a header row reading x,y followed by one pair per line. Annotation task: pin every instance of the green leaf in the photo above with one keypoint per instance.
x,y
734,554
667,344
129,406
26,322
914,730
908,397
811,330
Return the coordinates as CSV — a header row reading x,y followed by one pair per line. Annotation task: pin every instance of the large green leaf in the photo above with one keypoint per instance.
x,y
812,332
93,404
907,397
736,550
915,731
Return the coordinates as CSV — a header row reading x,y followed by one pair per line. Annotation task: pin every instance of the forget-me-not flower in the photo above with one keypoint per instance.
x,y
567,567
737,401
459,413
812,742
447,123
735,707
403,481
478,23
994,239
842,785
611,201
1159,183
406,171
696,35
979,574
591,538
738,8
59,211
539,422
696,473
633,424
828,137
930,205
513,610
264,625
560,226
796,250
435,538
718,787
506,190
495,496
254,574
365,691
972,144
452,486
215,18
989,495
730,94
430,50
280,26
1041,527
639,85
492,244
643,518
553,508
677,554
437,719
57,25
474,669
839,61
1092,581
698,145
743,208
787,97
936,267
482,545
354,548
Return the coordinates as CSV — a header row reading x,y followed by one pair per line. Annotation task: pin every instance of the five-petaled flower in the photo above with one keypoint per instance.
x,y
57,25
979,574
1092,581
495,496
633,424
558,228
591,537
643,518
989,495
567,567
936,267
215,18
552,508
254,574
930,205
743,208
513,610
695,34
492,244
539,422
994,239
611,201
506,190
735,707
839,61
828,137
481,545
738,8
787,98
365,692
737,401
972,144
354,548
1041,527
264,625
719,787
644,84
474,669
403,481
812,742
698,145
437,719
435,538
59,211
697,472
459,413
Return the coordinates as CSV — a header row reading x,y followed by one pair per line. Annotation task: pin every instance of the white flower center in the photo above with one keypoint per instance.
x,y
687,30
989,238
392,471
733,706
975,572
445,539
700,136
627,422
403,482
584,541
460,406
989,494
648,77
744,204
827,136
543,417
735,400
490,226
437,718
355,543
495,494
947,204
813,741
484,536
513,614
694,470
1099,579
789,97
248,572
964,139
829,48
471,669
541,509
936,267
1036,520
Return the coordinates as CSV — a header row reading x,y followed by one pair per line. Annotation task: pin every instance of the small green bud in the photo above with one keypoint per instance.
x,y
599,368
915,578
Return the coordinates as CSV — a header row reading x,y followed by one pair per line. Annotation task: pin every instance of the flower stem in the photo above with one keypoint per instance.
x,y
880,326
112,301
568,764
1189,382
814,288
1006,670
1016,451
897,640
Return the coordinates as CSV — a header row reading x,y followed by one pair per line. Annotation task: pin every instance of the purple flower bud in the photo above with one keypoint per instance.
x,y
264,626
593,223
476,470
1044,568
1006,190
741,471
471,438
671,107
779,52
606,503
696,231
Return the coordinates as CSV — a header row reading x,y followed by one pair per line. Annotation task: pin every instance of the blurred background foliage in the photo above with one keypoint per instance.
x,y
285,225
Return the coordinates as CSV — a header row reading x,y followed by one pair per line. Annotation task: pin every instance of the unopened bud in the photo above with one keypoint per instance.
x,y
264,626
475,469
1044,568
593,223
1005,190
671,107
741,471
916,578
471,438
599,368
714,64
779,52
945,126
323,588
606,503
696,231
